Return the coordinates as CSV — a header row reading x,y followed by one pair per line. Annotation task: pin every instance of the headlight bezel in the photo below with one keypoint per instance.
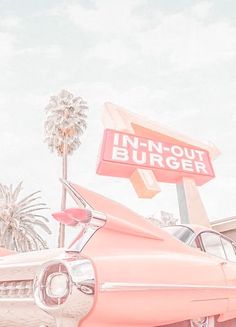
x,y
51,289
79,299
41,284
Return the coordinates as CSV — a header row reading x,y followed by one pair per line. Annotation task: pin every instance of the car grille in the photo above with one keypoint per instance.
x,y
16,289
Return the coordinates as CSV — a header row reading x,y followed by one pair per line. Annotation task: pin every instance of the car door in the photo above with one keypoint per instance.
x,y
230,271
211,243
224,252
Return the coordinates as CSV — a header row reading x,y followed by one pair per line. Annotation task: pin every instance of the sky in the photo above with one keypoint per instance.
x,y
170,61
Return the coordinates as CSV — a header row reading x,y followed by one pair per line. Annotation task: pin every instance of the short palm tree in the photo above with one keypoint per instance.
x,y
65,123
19,219
165,219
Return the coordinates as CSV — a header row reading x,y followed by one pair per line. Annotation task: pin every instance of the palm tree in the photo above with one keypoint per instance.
x,y
19,220
65,123
165,219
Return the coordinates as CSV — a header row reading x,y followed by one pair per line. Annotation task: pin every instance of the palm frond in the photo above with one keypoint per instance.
x,y
35,205
18,220
29,196
16,191
32,216
32,210
38,223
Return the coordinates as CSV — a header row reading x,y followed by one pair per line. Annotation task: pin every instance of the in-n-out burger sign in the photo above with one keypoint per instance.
x,y
122,153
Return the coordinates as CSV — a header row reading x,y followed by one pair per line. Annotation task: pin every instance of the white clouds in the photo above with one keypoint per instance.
x,y
114,52
208,45
107,17
179,41
51,51
7,47
9,22
9,25
202,9
188,43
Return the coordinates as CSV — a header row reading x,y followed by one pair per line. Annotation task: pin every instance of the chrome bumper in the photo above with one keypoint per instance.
x,y
19,313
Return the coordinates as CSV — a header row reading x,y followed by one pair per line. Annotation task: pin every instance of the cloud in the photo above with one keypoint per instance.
x,y
10,22
51,51
174,41
187,43
7,47
113,52
107,17
202,9
9,26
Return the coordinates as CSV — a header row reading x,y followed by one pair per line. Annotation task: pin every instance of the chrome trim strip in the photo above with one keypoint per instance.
x,y
19,264
75,194
13,288
13,299
210,299
118,286
97,220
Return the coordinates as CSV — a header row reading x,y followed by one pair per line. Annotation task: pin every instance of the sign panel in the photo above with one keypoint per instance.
x,y
122,153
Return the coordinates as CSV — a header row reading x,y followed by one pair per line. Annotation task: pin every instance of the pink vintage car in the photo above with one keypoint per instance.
x,y
121,271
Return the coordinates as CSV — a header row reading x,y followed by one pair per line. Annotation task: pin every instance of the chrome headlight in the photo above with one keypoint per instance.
x,y
54,284
57,285
66,287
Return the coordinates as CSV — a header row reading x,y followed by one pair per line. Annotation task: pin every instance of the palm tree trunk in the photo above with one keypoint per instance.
x,y
61,238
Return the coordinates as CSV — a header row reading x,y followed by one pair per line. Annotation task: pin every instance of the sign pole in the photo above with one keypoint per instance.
x,y
191,207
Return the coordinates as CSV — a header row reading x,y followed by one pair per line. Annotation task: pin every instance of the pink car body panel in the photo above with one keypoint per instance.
x,y
129,250
143,276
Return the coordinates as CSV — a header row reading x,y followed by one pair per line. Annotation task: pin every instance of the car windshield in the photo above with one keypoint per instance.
x,y
182,233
